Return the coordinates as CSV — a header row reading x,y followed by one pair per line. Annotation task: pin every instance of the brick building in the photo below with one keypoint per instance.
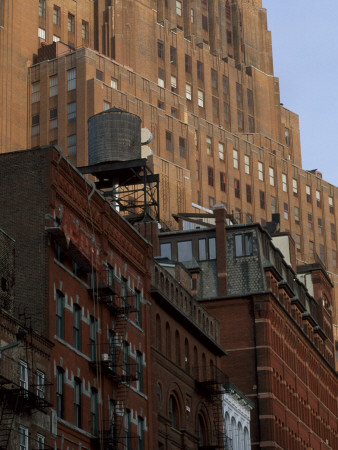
x,y
276,325
25,387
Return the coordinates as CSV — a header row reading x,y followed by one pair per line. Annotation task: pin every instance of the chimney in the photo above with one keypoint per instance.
x,y
220,216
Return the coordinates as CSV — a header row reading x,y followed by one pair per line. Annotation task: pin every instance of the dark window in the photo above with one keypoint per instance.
x,y
138,312
320,225
174,112
165,250
202,250
53,113
71,23
60,305
237,188
251,123
92,338
173,55
308,194
200,70
184,251
169,140
36,119
77,312
160,49
77,402
139,370
243,245
226,112
309,221
239,94
99,75
287,136
250,101
204,23
173,412
210,176
322,252
286,211
60,395
333,232
93,412
56,14
182,147
42,9
225,83
215,106
213,79
140,432
160,104
222,181
188,63
229,37
262,199
240,120
248,193
85,30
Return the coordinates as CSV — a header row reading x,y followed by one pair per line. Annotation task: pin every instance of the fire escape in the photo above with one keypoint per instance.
x,y
21,391
210,383
113,360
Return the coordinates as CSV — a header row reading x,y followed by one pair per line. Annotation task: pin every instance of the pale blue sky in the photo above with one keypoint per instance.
x,y
305,54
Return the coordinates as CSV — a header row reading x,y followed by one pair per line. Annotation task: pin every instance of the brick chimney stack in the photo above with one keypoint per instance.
x,y
220,213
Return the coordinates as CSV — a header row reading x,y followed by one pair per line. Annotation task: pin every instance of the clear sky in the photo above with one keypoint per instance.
x,y
305,56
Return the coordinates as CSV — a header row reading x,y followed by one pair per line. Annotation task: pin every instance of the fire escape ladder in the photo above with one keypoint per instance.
x,y
8,410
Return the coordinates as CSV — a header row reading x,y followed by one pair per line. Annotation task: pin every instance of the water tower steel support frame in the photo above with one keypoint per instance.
x,y
131,187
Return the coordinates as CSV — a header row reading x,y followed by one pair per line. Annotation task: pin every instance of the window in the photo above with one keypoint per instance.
x,y
60,304
139,370
165,250
56,38
181,143
160,80
71,112
322,252
188,91
298,243
56,15
240,121
308,194
169,140
211,202
23,432
72,145
247,164
23,367
213,79
331,205
184,251
138,312
40,442
192,15
77,403
318,198
125,355
140,430
320,225
173,82
250,101
309,221
273,204
93,412
260,171
215,106
248,193
221,151
174,112
92,338
40,384
225,85
200,98
71,77
160,49
262,199
77,313
209,145
36,92
113,83
42,8
222,181
197,170
226,112
173,55
287,136
272,176
212,248
243,245
311,249
239,96
42,33
71,23
286,211
248,218
60,392
296,215
204,23
35,124
187,63
333,232
200,70
53,85
251,122
53,118
160,104
235,158
295,187
229,37
284,182
237,188
202,254
99,75
173,412
178,8
210,176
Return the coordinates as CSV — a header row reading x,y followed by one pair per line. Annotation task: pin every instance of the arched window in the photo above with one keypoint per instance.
x,y
173,412
233,433
201,431
168,341
158,333
177,348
